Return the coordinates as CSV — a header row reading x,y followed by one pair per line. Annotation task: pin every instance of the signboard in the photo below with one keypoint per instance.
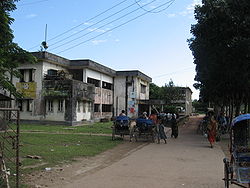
x,y
28,89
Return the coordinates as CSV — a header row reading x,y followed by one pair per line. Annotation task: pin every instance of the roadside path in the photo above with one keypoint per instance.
x,y
183,162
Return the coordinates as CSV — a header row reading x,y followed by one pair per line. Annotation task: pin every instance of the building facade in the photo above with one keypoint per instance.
x,y
72,91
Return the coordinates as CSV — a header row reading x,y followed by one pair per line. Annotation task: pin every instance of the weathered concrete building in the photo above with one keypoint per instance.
x,y
71,91
131,87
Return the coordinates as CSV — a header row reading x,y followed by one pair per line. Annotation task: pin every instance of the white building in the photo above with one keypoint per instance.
x,y
71,91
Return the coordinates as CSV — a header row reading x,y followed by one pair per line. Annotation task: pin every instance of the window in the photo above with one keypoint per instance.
x,y
107,85
93,81
22,75
20,105
84,106
29,105
60,105
97,108
52,72
50,106
78,106
106,108
143,88
31,75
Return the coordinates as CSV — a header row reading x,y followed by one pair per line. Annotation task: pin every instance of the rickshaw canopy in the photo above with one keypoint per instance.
x,y
240,118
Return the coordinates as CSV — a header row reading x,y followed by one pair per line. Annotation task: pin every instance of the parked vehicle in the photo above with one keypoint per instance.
x,y
121,127
144,128
237,168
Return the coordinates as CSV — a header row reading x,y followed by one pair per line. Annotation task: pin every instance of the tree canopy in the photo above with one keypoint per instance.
x,y
221,50
11,55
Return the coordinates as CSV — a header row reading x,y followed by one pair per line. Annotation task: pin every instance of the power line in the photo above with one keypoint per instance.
x,y
32,3
92,26
149,11
171,2
98,27
178,71
83,22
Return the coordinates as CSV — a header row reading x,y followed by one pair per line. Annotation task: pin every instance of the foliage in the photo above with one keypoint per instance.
x,y
11,55
200,107
221,50
169,92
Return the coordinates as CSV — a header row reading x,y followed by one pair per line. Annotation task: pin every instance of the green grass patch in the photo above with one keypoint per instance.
x,y
96,128
57,149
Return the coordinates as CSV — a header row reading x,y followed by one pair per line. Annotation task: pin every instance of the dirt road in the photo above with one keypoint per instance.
x,y
187,161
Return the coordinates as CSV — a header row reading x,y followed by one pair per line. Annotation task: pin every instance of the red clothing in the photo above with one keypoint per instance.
x,y
212,126
154,118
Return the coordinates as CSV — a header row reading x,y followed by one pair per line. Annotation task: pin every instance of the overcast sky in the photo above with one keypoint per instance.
x,y
146,35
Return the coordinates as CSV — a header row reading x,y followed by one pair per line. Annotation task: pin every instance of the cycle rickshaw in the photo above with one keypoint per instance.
x,y
144,128
121,126
237,168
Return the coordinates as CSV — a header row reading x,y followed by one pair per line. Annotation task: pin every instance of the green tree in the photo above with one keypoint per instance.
x,y
11,55
220,46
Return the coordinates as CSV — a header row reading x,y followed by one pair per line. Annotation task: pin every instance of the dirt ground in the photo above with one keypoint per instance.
x,y
62,174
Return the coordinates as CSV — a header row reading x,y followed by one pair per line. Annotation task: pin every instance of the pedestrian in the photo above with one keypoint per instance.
x,y
160,130
174,126
144,115
211,128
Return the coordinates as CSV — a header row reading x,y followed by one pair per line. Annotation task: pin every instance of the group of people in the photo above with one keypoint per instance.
x,y
159,120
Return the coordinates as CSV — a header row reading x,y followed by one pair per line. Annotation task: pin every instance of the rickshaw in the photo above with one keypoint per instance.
x,y
120,126
144,127
237,169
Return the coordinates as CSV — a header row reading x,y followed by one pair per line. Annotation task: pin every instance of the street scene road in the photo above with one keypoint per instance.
x,y
187,161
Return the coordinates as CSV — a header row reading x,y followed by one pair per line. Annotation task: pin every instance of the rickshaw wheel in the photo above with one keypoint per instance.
x,y
226,172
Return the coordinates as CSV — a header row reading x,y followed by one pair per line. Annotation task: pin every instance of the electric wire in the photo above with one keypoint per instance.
x,y
175,72
149,11
32,3
57,36
98,27
91,26
169,2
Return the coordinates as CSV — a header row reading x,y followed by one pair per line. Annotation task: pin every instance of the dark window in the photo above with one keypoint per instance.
x,y
52,72
60,105
97,108
20,105
93,81
143,88
106,108
50,106
107,85
29,105
22,75
31,75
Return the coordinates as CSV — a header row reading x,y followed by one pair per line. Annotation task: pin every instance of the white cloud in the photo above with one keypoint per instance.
x,y
190,8
31,16
117,40
171,15
97,42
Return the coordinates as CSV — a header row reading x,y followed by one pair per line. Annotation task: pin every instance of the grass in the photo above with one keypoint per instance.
x,y
57,149
96,128
58,145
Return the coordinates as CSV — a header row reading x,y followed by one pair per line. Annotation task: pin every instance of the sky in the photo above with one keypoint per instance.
x,y
145,35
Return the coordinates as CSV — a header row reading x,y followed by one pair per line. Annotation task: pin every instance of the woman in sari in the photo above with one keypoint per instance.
x,y
211,129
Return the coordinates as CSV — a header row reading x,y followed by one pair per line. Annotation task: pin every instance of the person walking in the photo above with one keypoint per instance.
x,y
211,128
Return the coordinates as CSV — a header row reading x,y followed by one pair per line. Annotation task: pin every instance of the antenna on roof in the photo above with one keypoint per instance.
x,y
44,43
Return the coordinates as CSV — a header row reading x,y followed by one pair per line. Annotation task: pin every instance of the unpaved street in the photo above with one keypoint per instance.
x,y
183,162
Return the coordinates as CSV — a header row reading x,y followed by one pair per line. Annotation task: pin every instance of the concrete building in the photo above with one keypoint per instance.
x,y
72,91
184,105
131,87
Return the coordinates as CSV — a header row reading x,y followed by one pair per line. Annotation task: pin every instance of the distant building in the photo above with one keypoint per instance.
x,y
184,105
131,87
72,91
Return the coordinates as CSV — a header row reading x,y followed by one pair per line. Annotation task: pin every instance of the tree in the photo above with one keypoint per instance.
x,y
168,93
221,50
11,55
